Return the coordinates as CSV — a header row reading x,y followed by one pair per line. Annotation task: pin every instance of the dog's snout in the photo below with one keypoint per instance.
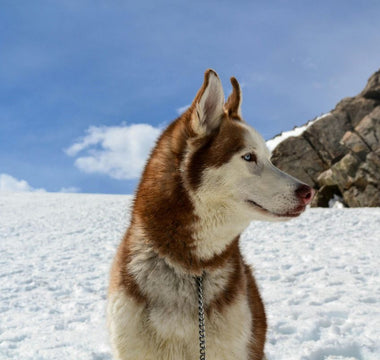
x,y
305,194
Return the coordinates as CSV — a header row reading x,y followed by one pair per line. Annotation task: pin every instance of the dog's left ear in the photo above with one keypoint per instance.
x,y
233,104
208,105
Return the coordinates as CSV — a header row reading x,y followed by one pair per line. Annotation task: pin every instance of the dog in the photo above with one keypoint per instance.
x,y
207,178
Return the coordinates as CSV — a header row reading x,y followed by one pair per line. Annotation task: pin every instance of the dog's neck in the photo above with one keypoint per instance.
x,y
217,226
189,241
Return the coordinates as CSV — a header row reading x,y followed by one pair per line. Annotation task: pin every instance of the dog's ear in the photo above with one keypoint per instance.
x,y
208,105
233,104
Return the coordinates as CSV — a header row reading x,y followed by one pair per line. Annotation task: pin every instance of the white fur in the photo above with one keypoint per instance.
x,y
126,326
220,216
209,108
221,200
134,336
264,183
167,328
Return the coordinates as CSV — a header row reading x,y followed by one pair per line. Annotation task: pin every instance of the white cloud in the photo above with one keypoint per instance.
x,y
10,184
118,151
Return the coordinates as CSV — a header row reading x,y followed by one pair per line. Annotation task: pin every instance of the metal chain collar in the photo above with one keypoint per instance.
x,y
201,319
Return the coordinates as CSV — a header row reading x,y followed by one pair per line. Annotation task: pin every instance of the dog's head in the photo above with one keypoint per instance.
x,y
227,163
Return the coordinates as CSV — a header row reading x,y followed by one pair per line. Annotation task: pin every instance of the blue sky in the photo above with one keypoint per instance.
x,y
85,86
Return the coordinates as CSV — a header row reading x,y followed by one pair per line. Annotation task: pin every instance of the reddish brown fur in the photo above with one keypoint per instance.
x,y
165,211
234,100
259,324
162,202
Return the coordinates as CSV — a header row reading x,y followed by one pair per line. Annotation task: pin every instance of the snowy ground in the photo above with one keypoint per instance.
x,y
319,276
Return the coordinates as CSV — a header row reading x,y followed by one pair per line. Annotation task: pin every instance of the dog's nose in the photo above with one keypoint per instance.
x,y
305,193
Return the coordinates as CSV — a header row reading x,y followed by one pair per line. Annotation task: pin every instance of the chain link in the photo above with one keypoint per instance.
x,y
201,318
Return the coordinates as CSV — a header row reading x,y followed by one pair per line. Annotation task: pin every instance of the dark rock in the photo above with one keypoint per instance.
x,y
372,90
325,194
367,197
356,144
355,108
369,129
323,134
288,155
339,154
369,170
341,174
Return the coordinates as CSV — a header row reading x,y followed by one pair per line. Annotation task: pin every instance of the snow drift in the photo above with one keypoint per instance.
x,y
319,277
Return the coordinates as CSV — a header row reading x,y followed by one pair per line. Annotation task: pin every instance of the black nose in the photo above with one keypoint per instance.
x,y
305,194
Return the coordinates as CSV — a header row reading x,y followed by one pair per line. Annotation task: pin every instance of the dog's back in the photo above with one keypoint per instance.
x,y
194,199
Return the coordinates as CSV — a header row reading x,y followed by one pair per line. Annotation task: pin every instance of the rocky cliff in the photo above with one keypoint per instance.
x,y
339,154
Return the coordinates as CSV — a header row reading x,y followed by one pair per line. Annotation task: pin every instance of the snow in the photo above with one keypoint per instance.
x,y
297,130
336,202
319,277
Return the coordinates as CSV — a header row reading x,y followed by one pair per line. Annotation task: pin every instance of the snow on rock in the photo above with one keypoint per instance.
x,y
297,130
319,277
336,202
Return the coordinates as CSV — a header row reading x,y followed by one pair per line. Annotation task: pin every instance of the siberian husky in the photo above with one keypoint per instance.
x,y
207,178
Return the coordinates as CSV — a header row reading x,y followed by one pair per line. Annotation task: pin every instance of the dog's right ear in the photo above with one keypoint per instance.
x,y
233,103
208,105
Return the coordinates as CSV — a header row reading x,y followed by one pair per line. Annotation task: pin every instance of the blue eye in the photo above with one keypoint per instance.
x,y
249,157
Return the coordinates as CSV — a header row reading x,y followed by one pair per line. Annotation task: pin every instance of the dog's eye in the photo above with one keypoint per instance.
x,y
250,157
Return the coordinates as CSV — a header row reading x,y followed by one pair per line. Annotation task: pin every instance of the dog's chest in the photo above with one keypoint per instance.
x,y
174,317
173,297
